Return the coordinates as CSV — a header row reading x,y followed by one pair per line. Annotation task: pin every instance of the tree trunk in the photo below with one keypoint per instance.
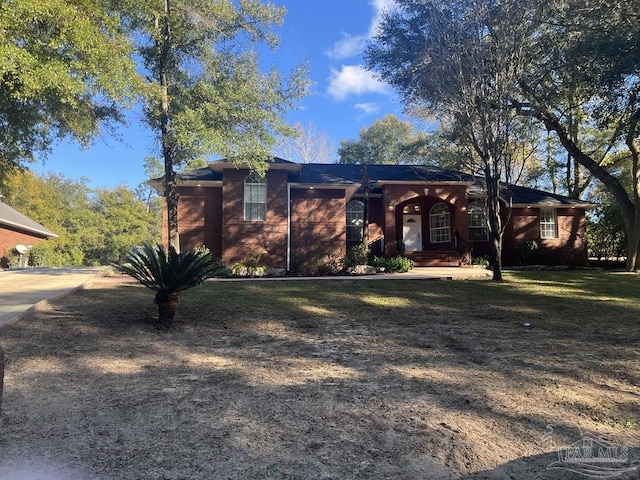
x,y
497,264
365,185
167,307
628,207
163,51
633,239
494,222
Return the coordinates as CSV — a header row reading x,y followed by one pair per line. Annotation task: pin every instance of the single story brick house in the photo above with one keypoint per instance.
x,y
17,229
304,212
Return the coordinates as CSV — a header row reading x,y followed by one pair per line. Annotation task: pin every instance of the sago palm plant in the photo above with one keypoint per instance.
x,y
168,273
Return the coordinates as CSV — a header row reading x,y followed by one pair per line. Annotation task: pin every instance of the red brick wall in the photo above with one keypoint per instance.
x,y
318,225
400,195
242,240
570,248
200,218
10,238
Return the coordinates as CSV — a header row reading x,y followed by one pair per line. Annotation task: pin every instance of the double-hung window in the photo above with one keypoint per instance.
x,y
548,223
355,220
478,231
440,223
255,198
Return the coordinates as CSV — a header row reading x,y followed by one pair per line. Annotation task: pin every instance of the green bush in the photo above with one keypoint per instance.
x,y
250,268
357,255
318,266
483,261
393,265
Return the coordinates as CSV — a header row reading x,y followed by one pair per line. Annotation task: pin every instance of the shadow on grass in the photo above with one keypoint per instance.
x,y
345,379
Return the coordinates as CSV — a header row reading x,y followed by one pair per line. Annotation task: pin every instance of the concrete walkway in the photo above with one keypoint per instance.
x,y
418,273
25,291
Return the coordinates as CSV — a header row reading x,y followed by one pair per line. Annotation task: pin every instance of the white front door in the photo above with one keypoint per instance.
x,y
412,232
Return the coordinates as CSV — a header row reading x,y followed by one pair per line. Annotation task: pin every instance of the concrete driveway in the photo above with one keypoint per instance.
x,y
24,291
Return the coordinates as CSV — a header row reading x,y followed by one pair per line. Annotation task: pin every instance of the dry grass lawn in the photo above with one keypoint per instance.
x,y
327,379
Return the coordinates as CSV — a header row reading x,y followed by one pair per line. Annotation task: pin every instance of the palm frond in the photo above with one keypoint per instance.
x,y
169,271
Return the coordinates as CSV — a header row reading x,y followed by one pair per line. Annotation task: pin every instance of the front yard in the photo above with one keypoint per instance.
x,y
327,379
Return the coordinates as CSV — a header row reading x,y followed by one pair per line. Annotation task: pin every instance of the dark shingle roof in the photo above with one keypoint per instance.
x,y
338,174
12,218
531,196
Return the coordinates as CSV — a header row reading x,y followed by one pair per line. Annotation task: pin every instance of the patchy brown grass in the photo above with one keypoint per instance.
x,y
331,379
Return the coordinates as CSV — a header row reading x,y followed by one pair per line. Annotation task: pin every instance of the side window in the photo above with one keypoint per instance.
x,y
548,223
355,220
478,231
440,223
255,198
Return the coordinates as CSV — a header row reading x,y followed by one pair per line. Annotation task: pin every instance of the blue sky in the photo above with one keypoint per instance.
x,y
344,98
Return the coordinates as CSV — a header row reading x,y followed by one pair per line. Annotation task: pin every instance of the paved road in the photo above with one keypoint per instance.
x,y
24,291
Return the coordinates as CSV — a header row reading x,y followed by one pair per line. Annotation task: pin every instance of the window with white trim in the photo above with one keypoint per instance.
x,y
355,220
478,230
548,223
255,198
440,223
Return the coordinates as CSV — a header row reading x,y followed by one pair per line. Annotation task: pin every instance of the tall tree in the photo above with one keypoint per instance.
x,y
309,145
208,95
459,61
586,62
65,71
387,141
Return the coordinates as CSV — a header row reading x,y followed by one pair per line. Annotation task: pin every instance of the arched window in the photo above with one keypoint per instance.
x,y
440,223
478,231
355,220
255,198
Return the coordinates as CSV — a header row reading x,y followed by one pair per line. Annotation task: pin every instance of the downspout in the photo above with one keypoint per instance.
x,y
288,227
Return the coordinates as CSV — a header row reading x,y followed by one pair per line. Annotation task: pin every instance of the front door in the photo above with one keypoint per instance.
x,y
412,233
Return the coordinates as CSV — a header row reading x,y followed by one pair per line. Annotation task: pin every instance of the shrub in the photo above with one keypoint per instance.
x,y
483,261
357,255
168,273
320,265
528,249
396,264
250,268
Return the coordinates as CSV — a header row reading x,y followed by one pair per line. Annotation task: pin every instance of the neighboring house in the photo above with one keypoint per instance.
x,y
308,212
18,229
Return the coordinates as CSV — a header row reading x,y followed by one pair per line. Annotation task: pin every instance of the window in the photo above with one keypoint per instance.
x,y
255,198
411,208
548,223
439,223
355,220
478,231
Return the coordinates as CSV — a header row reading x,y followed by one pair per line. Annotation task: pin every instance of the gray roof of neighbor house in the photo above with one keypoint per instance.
x,y
339,174
15,220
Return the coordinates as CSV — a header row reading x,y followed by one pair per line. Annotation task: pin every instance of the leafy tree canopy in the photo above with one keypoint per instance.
x,y
387,141
208,95
95,227
65,68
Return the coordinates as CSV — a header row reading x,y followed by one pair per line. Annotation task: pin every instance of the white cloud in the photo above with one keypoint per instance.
x,y
379,6
349,46
353,45
368,108
353,79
